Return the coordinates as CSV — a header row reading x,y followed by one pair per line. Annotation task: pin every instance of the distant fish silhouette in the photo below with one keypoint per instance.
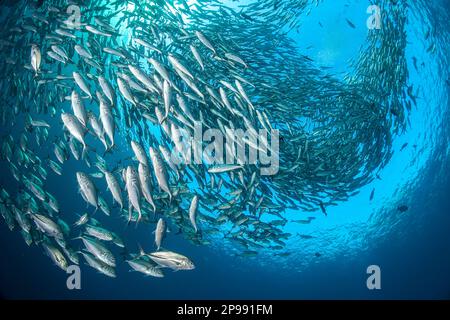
x,y
322,207
404,146
350,24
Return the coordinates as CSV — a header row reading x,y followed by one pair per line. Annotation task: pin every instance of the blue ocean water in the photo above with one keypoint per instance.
x,y
412,248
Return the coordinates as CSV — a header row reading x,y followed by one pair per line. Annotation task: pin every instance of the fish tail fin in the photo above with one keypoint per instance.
x,y
84,151
164,118
139,218
105,144
109,149
129,215
141,251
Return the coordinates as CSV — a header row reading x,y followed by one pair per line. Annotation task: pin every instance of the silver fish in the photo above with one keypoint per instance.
x,y
87,189
107,119
75,128
107,89
56,255
78,108
99,233
125,91
47,225
145,267
98,128
94,30
159,232
193,212
114,187
99,251
160,171
134,191
139,152
83,52
178,65
99,265
142,77
36,58
146,184
205,41
81,83
197,56
171,260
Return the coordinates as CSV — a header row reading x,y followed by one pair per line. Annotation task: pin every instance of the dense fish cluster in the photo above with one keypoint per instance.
x,y
110,87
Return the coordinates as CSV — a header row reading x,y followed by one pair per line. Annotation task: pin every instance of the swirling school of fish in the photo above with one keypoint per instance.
x,y
127,79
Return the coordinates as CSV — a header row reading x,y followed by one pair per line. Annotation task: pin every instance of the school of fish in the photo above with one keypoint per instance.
x,y
109,91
